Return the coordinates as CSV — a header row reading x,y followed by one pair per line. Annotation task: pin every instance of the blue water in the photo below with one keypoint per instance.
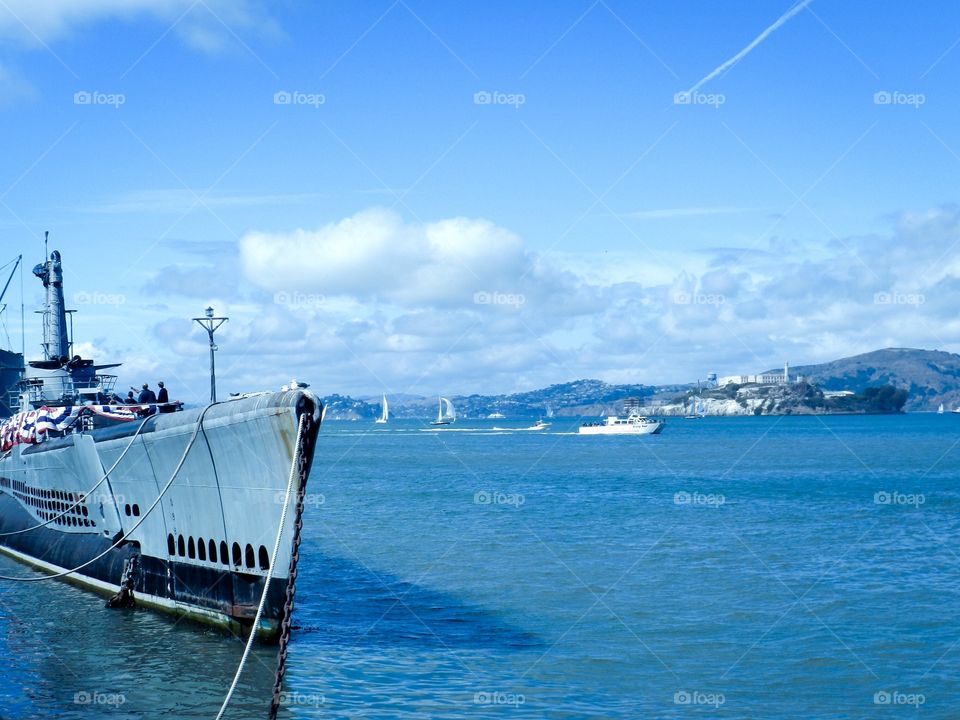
x,y
741,567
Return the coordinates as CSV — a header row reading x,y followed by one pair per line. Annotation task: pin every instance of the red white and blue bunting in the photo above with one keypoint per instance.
x,y
35,426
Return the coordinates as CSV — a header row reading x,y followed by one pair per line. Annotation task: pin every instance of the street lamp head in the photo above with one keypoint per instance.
x,y
209,312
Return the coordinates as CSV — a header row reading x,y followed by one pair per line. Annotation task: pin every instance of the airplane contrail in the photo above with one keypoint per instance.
x,y
756,41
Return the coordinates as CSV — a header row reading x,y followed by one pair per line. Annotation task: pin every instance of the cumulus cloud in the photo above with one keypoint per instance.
x,y
376,256
375,301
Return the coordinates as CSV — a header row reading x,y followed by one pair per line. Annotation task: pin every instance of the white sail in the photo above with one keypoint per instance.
x,y
385,413
446,410
940,409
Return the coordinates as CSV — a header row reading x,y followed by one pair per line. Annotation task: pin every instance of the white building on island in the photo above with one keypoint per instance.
x,y
761,379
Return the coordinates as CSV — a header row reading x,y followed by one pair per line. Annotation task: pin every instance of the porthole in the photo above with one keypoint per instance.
x,y
201,550
191,549
181,547
264,558
237,557
126,509
249,557
136,510
213,551
224,557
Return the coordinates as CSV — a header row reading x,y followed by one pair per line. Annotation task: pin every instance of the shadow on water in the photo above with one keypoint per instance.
x,y
59,643
342,602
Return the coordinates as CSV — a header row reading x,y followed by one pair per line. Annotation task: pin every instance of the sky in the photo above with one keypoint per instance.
x,y
455,197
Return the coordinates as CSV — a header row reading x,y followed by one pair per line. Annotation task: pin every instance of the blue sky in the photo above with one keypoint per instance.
x,y
387,231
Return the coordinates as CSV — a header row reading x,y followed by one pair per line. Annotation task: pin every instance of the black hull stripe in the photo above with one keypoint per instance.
x,y
207,589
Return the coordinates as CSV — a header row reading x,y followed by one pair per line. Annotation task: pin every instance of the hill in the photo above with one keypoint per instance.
x,y
796,398
929,376
580,397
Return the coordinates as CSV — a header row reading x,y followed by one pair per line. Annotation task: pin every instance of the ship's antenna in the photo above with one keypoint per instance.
x,y
23,326
46,253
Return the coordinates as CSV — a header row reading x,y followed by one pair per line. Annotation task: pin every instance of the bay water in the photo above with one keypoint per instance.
x,y
742,567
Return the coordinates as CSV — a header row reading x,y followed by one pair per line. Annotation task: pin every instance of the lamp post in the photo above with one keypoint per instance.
x,y
211,324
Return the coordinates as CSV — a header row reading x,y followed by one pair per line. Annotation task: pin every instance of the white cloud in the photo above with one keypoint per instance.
x,y
388,304
376,256
201,25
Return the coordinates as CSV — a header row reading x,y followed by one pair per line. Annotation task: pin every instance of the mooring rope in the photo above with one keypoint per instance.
x,y
269,575
89,492
183,458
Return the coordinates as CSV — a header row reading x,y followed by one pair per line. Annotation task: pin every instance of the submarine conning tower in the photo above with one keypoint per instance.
x,y
55,342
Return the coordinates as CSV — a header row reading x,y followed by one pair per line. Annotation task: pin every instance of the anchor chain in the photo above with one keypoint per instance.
x,y
124,597
303,470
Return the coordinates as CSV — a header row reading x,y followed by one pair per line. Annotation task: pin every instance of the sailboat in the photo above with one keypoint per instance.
x,y
385,413
445,412
697,408
940,409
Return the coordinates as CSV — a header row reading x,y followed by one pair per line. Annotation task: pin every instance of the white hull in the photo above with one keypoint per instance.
x,y
623,426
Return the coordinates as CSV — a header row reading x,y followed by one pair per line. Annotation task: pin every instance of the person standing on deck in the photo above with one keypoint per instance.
x,y
146,395
162,396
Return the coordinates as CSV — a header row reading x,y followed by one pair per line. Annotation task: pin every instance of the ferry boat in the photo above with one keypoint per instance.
x,y
170,509
630,425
